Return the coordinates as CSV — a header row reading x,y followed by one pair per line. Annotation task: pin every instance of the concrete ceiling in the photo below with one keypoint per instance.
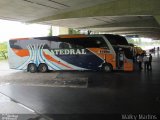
x,y
129,25
140,17
27,10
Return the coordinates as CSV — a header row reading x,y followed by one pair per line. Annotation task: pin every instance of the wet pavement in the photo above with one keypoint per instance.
x,y
12,110
106,94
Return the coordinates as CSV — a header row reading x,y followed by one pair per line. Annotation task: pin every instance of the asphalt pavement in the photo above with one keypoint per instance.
x,y
106,95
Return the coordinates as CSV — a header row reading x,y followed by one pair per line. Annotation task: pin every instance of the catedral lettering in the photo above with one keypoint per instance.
x,y
69,52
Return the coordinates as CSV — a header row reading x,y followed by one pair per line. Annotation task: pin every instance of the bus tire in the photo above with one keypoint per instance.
x,y
107,67
42,68
32,68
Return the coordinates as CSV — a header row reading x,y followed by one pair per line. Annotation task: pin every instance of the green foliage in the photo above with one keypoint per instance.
x,y
135,41
140,42
131,41
3,50
73,31
50,31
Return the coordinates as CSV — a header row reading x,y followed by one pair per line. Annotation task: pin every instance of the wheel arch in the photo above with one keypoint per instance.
x,y
109,64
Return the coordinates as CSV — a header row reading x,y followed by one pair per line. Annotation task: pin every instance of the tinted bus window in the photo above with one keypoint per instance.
x,y
116,39
128,53
64,45
23,44
88,42
54,44
15,44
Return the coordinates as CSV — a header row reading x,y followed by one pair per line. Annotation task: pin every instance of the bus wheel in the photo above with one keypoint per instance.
x,y
42,68
107,68
32,68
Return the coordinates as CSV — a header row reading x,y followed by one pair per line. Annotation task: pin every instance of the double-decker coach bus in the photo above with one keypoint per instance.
x,y
67,52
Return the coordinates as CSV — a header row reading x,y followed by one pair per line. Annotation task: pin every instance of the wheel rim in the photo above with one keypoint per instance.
x,y
32,68
107,68
44,69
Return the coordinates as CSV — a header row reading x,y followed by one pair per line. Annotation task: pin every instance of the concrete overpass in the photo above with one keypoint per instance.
x,y
141,17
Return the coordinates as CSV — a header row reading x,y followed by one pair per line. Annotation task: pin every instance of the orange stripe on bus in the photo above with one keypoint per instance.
x,y
96,51
56,61
20,39
108,57
21,52
72,36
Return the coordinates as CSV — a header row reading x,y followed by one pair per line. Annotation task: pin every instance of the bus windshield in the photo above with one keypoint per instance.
x,y
116,39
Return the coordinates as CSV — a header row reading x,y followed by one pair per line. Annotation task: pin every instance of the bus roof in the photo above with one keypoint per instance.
x,y
60,36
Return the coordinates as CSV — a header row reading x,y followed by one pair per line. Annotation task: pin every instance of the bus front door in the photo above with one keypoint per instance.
x,y
120,60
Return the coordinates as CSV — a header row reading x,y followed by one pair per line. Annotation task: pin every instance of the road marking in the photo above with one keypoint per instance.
x,y
26,107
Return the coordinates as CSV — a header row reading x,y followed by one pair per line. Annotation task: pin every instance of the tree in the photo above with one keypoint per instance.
x,y
73,31
3,50
50,31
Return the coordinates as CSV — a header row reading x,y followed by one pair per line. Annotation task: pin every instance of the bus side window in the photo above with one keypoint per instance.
x,y
54,44
64,45
23,44
95,42
76,43
76,46
101,44
15,44
46,46
46,43
12,42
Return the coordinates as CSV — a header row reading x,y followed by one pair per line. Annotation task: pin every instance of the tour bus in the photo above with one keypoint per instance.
x,y
67,52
